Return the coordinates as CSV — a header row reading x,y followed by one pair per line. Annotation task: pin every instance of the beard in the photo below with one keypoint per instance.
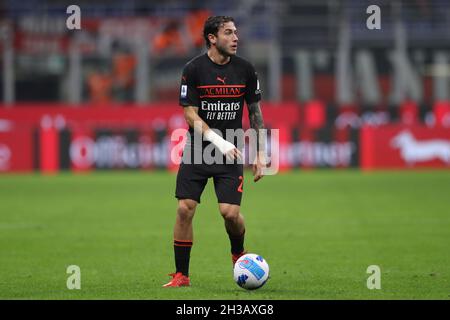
x,y
223,51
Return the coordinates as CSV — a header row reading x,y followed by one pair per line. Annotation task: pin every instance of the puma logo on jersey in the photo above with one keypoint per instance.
x,y
220,79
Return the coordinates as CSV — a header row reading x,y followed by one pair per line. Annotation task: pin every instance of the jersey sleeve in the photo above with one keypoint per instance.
x,y
253,91
188,89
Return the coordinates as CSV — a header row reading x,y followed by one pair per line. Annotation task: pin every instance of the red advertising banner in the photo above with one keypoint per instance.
x,y
394,146
442,113
84,138
16,149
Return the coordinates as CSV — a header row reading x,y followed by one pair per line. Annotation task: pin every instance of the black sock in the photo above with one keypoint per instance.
x,y
182,249
237,243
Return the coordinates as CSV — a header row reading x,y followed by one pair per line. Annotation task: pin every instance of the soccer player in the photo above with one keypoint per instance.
x,y
213,89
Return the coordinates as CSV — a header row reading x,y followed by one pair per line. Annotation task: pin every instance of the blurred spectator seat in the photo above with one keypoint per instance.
x,y
124,65
194,23
169,38
99,88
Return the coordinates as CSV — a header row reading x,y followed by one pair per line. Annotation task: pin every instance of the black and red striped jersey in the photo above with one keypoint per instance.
x,y
219,91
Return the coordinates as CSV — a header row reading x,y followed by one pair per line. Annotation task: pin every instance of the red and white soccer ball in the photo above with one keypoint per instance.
x,y
251,271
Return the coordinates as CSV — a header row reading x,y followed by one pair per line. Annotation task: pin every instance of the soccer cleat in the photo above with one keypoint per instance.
x,y
235,257
178,280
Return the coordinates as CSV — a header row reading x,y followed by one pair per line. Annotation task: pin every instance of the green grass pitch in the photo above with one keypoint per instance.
x,y
318,230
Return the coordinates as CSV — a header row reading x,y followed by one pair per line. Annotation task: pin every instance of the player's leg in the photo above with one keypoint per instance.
x,y
228,183
183,235
183,223
235,227
189,187
182,243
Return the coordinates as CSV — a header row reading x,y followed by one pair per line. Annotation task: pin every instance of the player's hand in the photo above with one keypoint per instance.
x,y
228,149
258,166
231,152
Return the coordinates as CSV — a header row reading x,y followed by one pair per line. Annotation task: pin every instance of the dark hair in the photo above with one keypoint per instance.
x,y
212,25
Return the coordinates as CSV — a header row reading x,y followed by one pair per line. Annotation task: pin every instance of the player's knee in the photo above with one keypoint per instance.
x,y
229,212
186,209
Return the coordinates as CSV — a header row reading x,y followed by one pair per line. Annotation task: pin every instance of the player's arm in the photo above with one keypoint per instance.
x,y
257,123
199,126
194,121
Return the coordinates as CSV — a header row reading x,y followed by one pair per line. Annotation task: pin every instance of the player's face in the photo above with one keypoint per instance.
x,y
226,40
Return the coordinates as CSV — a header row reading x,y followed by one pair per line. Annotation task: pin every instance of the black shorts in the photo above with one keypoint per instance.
x,y
228,181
